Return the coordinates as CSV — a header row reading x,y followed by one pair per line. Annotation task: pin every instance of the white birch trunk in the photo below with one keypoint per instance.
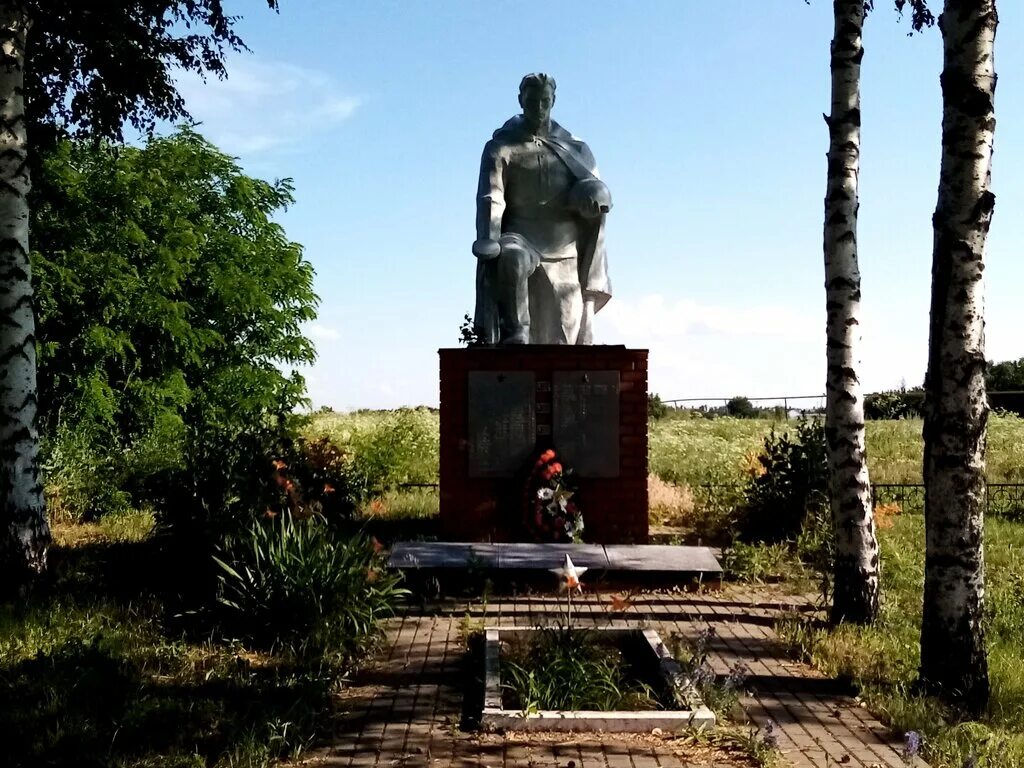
x,y
856,571
953,662
24,531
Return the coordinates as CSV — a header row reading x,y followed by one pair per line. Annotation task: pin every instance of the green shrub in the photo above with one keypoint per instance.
x,y
293,582
741,408
794,482
656,409
169,305
894,404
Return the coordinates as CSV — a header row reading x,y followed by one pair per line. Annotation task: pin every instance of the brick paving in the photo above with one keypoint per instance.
x,y
405,708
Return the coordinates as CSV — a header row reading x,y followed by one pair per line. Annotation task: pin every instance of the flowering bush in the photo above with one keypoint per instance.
x,y
551,514
312,478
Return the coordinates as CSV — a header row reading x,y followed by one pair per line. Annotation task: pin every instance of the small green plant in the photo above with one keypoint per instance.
x,y
571,669
719,695
793,483
468,334
294,582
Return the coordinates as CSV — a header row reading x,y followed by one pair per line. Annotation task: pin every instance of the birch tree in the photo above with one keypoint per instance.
x,y
93,64
857,568
953,662
26,533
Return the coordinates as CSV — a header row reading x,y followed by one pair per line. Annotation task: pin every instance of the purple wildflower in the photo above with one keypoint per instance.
x,y
770,738
703,675
737,677
911,746
701,645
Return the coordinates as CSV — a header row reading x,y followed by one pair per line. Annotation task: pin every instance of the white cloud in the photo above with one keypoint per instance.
x,y
703,350
265,106
654,317
317,331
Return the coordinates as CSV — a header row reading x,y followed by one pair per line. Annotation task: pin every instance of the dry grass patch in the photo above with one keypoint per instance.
x,y
669,504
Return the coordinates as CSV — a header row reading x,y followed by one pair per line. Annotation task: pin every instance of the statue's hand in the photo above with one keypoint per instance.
x,y
485,250
586,335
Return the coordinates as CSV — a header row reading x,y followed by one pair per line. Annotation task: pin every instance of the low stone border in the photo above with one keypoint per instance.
x,y
495,717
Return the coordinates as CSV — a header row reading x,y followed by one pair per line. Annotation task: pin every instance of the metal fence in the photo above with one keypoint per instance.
x,y
796,405
1004,500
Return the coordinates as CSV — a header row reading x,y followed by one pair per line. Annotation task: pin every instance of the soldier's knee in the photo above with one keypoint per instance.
x,y
516,260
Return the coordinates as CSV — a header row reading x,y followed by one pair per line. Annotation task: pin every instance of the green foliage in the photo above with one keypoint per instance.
x,y
894,404
794,482
570,669
741,408
294,582
759,563
468,334
386,448
656,409
1005,376
95,64
882,660
168,302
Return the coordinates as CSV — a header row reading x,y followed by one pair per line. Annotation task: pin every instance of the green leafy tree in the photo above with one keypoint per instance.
x,y
168,299
741,408
656,408
83,66
1006,376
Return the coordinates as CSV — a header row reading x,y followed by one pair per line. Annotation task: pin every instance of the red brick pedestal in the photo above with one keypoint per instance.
x,y
490,508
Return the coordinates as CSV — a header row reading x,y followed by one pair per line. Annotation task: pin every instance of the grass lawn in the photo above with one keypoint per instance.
x,y
882,660
95,670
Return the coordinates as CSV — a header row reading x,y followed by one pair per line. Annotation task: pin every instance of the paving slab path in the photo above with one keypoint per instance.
x,y
405,707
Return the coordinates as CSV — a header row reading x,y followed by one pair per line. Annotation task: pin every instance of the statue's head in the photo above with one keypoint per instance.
x,y
537,97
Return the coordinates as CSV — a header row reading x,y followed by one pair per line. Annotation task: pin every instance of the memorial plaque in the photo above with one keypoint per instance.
x,y
502,422
586,421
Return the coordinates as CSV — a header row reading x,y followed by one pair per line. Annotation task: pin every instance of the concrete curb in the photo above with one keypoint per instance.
x,y
495,717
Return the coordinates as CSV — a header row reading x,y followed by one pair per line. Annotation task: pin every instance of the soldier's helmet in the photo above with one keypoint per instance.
x,y
585,193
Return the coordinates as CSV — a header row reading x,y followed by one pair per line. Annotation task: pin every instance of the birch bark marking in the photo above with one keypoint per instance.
x,y
856,574
953,662
24,531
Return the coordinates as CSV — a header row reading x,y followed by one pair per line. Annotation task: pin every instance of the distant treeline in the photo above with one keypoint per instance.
x,y
1004,382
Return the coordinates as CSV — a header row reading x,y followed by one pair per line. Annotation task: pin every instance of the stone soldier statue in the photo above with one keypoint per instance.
x,y
542,272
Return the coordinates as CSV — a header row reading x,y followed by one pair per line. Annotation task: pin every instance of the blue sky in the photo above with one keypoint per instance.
x,y
706,121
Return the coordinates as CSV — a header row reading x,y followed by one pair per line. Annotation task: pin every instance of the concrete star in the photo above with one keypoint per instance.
x,y
569,575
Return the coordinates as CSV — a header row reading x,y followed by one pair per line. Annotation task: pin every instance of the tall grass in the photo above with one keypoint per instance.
x,y
883,659
403,447
387,448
